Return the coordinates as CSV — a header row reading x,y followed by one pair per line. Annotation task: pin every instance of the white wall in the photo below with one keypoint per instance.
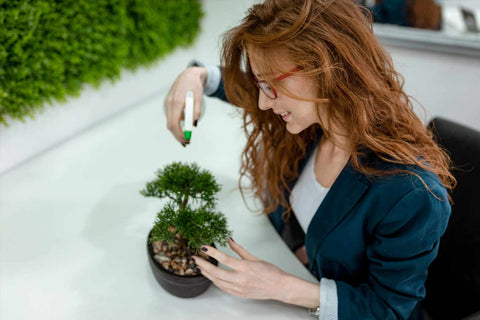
x,y
446,85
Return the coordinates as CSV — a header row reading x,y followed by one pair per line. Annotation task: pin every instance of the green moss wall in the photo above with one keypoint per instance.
x,y
49,49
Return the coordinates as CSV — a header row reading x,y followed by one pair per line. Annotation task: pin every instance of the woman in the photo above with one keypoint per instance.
x,y
333,143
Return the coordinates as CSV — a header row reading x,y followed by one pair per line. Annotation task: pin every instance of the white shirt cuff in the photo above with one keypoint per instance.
x,y
328,300
213,77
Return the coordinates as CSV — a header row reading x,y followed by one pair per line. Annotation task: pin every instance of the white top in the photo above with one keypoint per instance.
x,y
307,194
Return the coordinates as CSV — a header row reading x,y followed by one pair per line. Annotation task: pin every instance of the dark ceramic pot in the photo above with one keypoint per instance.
x,y
187,286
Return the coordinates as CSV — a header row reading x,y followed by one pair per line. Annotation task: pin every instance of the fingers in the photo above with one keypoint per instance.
x,y
214,271
241,251
226,286
225,259
174,107
189,79
197,106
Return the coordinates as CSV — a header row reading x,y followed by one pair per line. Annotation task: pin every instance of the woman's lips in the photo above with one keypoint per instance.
x,y
286,116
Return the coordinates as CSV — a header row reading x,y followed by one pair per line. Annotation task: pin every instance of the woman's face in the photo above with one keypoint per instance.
x,y
302,114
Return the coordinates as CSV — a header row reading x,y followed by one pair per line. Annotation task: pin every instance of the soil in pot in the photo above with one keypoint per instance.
x,y
177,259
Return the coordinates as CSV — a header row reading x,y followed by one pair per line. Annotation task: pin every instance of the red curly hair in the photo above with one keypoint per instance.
x,y
334,42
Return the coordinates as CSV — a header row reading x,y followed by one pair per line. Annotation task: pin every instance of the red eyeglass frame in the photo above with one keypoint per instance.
x,y
283,76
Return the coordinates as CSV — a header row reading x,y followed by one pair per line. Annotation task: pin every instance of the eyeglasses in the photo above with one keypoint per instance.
x,y
269,91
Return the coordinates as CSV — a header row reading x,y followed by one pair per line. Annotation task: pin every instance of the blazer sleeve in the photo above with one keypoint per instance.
x,y
220,91
404,244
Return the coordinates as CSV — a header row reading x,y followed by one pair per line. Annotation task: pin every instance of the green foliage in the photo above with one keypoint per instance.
x,y
49,49
181,183
198,226
162,227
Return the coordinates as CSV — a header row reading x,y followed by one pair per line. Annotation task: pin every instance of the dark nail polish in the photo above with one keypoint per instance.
x,y
232,239
187,142
183,144
196,269
204,249
195,123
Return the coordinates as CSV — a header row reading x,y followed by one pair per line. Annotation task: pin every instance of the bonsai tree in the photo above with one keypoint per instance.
x,y
180,224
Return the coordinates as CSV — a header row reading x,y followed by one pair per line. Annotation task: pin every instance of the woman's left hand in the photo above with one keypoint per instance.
x,y
251,277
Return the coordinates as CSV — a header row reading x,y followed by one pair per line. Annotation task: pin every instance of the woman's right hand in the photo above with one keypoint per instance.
x,y
191,79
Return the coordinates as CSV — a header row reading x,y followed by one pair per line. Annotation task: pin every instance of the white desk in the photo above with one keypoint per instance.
x,y
74,226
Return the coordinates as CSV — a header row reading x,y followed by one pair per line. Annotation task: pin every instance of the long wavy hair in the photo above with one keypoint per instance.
x,y
334,42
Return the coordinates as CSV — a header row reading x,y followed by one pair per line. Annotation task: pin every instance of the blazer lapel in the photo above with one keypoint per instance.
x,y
343,195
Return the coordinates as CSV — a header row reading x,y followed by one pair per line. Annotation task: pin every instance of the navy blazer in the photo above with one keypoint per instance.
x,y
376,237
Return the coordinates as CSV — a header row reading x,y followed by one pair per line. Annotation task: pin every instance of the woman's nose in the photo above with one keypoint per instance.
x,y
264,102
